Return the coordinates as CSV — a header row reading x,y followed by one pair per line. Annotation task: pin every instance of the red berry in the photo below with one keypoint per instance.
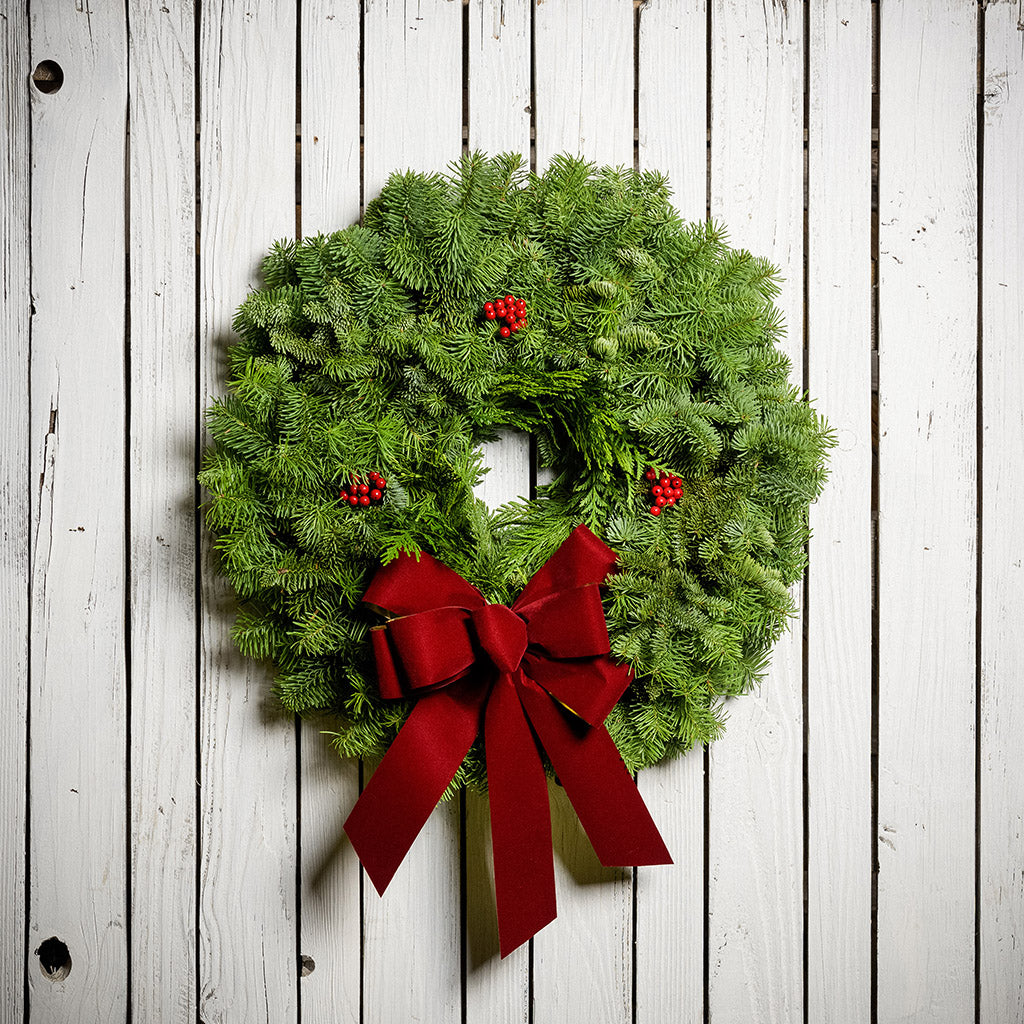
x,y
661,500
655,511
651,475
505,332
513,327
364,488
509,298
500,307
490,314
677,492
376,494
657,491
488,306
676,482
670,501
665,482
381,483
522,323
364,500
353,499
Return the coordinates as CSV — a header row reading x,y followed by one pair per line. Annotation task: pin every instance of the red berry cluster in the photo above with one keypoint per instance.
x,y
665,490
362,493
511,310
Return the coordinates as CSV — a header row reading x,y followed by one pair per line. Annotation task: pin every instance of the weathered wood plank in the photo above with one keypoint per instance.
x,y
496,990
499,122
412,88
331,918
583,963
673,93
584,80
78,690
330,115
162,555
755,893
248,944
670,899
331,907
413,119
499,77
839,583
927,340
15,327
1002,576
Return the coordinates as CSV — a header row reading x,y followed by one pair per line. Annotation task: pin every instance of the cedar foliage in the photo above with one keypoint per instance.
x,y
650,343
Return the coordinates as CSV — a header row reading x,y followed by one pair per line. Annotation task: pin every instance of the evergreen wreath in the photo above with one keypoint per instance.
x,y
369,366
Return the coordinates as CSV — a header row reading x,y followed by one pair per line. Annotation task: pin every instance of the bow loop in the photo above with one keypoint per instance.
x,y
567,623
433,646
502,634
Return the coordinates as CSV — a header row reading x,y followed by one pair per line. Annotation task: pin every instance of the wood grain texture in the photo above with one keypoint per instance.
x,y
78,689
755,898
413,119
412,88
331,910
499,77
583,963
15,328
584,80
248,966
330,115
162,516
670,899
1002,575
839,583
673,94
412,955
927,340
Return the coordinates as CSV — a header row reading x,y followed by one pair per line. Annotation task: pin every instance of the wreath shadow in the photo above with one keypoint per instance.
x,y
572,849
330,786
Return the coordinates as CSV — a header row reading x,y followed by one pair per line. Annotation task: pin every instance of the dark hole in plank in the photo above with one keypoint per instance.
x,y
48,76
54,959
306,965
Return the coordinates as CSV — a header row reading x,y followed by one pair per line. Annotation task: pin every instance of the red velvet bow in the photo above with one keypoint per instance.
x,y
538,668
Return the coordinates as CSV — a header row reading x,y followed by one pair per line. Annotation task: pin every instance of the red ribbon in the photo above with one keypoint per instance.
x,y
538,671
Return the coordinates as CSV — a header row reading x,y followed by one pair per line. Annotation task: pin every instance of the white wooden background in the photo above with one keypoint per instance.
x,y
851,851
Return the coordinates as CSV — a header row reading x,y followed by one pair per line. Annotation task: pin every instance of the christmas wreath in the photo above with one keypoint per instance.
x,y
638,353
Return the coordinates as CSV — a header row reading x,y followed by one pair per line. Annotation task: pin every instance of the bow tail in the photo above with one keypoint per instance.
x,y
412,778
524,874
595,778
